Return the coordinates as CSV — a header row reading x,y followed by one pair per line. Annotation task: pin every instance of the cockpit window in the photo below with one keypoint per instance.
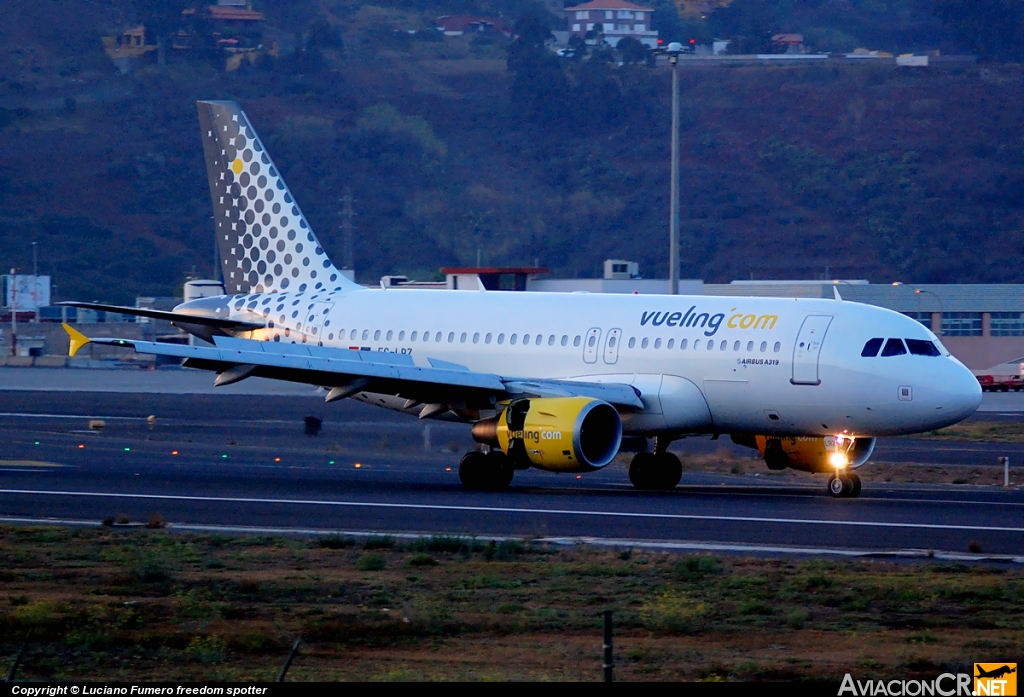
x,y
920,347
893,347
871,348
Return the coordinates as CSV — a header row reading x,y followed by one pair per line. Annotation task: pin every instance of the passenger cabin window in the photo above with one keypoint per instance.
x,y
632,342
512,339
643,344
682,344
366,335
565,339
501,339
657,343
462,338
401,335
551,340
412,337
389,335
476,337
870,349
920,347
487,339
893,347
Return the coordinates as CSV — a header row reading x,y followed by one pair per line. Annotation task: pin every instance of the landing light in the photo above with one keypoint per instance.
x,y
838,460
358,465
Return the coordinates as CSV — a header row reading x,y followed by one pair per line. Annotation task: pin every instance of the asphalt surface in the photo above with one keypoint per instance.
x,y
243,462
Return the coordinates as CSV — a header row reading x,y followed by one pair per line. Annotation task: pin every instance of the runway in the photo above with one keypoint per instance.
x,y
239,462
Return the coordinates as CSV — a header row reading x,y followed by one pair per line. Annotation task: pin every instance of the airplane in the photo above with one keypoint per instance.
x,y
551,381
995,673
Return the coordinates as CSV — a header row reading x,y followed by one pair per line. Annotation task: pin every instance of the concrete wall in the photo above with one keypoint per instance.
x,y
56,342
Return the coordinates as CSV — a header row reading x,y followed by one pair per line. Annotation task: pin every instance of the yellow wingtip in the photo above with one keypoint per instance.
x,y
78,339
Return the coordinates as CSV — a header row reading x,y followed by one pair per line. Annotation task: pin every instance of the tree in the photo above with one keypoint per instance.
x,y
539,90
748,23
161,17
994,29
631,50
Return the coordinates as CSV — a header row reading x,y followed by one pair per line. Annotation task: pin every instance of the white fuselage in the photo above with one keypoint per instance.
x,y
703,364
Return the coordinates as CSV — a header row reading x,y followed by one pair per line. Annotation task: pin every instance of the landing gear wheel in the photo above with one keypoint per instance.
x,y
655,471
485,471
856,485
840,486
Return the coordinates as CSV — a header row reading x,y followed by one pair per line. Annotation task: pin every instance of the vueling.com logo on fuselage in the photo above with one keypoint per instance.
x,y
705,319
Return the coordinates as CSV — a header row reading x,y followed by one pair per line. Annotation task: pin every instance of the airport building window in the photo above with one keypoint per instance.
x,y
576,341
376,335
893,347
487,339
961,324
388,336
924,318
565,339
462,339
412,337
1007,324
870,349
657,343
501,339
777,347
643,344
670,344
512,340
682,344
632,342
764,346
476,338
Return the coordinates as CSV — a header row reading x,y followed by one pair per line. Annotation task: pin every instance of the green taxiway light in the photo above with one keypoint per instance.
x,y
127,450
224,456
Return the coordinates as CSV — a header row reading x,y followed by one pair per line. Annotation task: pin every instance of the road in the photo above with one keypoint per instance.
x,y
243,462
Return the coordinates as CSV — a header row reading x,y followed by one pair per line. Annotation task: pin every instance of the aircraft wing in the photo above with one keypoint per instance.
x,y
176,317
351,371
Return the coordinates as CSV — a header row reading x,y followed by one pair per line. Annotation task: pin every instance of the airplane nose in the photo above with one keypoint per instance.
x,y
964,391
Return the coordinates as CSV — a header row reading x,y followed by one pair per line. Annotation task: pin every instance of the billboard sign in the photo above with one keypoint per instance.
x,y
29,292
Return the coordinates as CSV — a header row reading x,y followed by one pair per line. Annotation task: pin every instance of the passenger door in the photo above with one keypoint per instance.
x,y
807,349
611,346
590,345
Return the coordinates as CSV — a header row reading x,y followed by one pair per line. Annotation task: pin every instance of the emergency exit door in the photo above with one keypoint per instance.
x,y
808,348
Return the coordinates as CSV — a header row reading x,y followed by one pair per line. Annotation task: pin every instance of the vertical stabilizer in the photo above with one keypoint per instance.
x,y
265,243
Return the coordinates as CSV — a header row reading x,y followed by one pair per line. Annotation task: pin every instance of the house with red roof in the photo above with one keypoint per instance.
x,y
615,19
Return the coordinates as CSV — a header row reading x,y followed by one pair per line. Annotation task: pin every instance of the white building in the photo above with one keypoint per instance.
x,y
616,19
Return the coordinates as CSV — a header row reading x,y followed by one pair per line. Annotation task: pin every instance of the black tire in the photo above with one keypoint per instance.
x,y
642,470
500,471
856,485
669,471
473,470
839,486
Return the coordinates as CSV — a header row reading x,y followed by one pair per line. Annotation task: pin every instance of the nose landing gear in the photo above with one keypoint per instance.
x,y
844,485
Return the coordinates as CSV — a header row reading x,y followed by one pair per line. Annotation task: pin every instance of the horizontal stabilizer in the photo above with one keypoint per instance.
x,y
175,317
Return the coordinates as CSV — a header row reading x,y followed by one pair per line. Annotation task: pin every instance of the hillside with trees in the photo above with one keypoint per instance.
x,y
454,144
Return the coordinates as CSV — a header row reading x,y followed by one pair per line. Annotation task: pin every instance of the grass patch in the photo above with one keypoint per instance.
x,y
143,604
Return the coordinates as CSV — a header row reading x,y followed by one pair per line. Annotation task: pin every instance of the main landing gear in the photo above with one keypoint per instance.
x,y
480,471
660,470
844,485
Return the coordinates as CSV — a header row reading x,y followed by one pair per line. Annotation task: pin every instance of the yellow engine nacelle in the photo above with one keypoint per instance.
x,y
558,434
810,453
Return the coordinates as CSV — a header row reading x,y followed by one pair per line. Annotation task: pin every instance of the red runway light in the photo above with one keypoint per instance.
x,y
447,469
174,452
81,446
277,459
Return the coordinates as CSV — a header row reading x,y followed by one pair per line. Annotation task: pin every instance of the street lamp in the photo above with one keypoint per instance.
x,y
918,291
673,51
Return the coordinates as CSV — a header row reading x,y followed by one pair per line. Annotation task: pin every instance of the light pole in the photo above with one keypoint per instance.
x,y
14,312
672,51
35,282
918,291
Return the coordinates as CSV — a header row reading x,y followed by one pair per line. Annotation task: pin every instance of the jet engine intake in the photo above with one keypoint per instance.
x,y
810,453
558,434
